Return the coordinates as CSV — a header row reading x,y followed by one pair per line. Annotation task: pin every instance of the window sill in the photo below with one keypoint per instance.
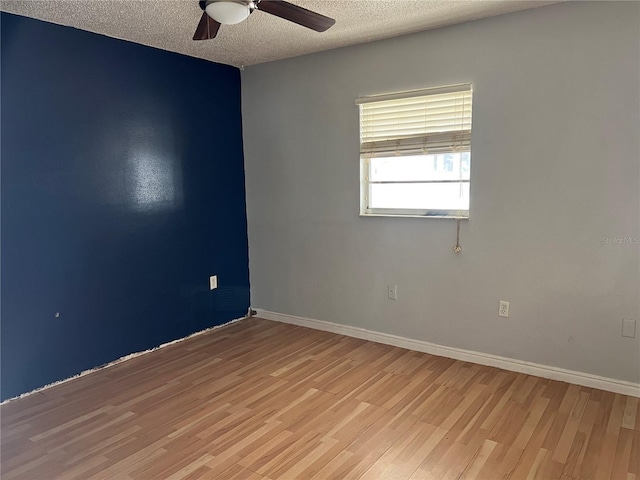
x,y
451,217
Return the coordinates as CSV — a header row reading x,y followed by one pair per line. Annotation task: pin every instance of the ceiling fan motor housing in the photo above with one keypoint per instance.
x,y
228,12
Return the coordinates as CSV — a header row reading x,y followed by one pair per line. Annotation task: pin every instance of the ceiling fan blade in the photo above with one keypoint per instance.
x,y
207,28
296,14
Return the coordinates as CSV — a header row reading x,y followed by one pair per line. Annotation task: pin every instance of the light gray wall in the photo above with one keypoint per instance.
x,y
555,167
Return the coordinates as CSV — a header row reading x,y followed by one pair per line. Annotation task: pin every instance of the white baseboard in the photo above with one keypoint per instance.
x,y
544,371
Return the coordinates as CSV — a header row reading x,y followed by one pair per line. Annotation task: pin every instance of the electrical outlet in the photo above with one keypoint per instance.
x,y
629,327
393,292
213,282
503,309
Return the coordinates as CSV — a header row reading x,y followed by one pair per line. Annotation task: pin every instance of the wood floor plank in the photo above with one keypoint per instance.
x,y
473,469
630,413
501,463
261,400
405,456
620,467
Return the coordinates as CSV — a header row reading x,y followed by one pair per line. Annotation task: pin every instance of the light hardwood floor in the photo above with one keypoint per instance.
x,y
260,399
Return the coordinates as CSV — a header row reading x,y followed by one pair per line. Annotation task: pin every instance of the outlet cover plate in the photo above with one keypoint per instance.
x,y
629,327
503,309
213,282
393,292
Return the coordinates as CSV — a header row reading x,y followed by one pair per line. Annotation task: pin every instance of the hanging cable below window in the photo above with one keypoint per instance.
x,y
457,248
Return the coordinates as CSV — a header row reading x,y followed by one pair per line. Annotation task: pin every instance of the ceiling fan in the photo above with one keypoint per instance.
x,y
230,12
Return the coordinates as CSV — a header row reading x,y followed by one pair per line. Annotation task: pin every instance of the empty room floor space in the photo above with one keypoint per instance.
x,y
259,399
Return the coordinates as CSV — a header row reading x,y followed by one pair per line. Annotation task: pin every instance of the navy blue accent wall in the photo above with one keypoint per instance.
x,y
122,191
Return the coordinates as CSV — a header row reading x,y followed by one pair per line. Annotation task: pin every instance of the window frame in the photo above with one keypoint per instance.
x,y
365,164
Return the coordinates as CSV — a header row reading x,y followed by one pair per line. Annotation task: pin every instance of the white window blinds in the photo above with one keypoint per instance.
x,y
426,121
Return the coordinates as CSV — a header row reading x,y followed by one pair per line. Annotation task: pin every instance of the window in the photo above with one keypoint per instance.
x,y
415,153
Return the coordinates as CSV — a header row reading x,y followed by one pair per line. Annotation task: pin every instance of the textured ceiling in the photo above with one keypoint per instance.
x,y
170,24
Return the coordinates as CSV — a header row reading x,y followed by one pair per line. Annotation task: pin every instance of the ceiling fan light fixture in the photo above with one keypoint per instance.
x,y
228,12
